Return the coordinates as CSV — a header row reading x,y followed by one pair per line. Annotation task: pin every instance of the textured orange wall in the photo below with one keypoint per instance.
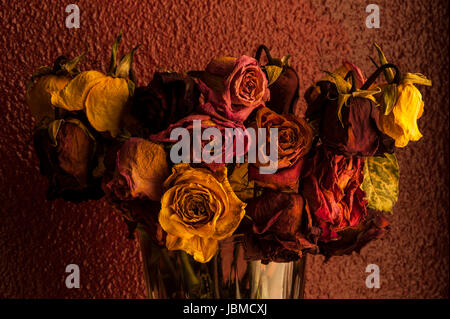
x,y
39,238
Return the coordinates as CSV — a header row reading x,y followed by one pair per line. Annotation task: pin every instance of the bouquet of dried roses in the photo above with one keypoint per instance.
x,y
216,172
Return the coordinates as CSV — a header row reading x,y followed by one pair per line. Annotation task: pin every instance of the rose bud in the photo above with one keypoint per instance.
x,y
46,81
283,82
102,97
141,168
401,122
294,142
332,192
198,209
68,154
348,118
166,99
317,94
233,88
401,102
280,225
353,239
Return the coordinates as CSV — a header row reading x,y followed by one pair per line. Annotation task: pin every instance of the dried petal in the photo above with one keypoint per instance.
x,y
105,104
39,96
74,94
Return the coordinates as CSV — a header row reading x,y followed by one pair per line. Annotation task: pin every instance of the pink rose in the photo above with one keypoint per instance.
x,y
228,151
233,88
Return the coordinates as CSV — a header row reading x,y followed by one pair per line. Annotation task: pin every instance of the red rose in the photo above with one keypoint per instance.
x,y
333,194
279,225
294,142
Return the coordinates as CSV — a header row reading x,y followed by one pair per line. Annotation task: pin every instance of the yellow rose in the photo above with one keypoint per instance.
x,y
39,95
102,97
401,122
400,100
44,82
198,209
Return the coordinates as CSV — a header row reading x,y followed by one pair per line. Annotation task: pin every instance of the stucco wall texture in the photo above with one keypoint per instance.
x,y
39,238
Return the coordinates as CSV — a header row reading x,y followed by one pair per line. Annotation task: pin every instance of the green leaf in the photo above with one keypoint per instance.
x,y
388,73
273,72
389,98
381,174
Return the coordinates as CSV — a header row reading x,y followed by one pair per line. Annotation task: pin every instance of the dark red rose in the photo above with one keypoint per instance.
x,y
284,91
360,134
357,132
279,228
169,97
333,194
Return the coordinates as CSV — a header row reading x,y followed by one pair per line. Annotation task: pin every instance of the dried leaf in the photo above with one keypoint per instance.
x,y
381,175
242,187
342,85
273,72
389,98
115,47
388,73
124,68
415,78
70,66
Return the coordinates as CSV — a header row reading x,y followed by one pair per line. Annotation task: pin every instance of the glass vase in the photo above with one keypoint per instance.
x,y
228,275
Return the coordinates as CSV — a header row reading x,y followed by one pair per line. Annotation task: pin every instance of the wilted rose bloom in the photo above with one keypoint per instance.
x,y
169,97
280,228
233,88
199,208
67,153
333,194
294,142
401,122
39,95
353,239
228,152
141,168
103,99
359,132
46,81
318,94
